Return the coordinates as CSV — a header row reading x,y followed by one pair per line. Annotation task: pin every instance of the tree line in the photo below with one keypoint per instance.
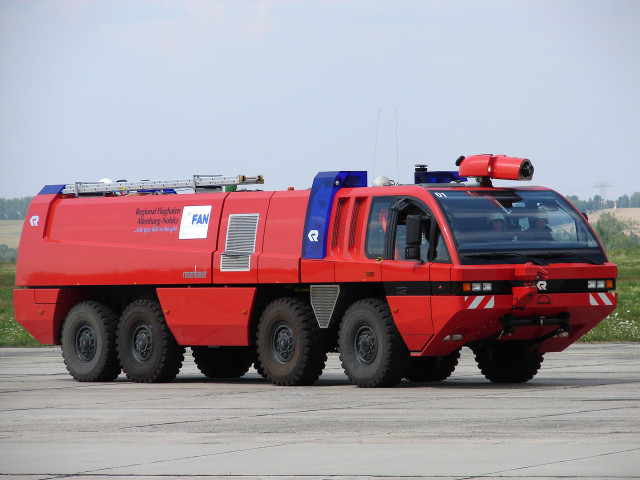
x,y
14,208
598,203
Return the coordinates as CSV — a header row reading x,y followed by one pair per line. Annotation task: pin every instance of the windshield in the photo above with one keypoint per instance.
x,y
490,226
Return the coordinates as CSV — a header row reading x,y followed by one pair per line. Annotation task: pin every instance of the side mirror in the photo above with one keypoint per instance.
x,y
415,226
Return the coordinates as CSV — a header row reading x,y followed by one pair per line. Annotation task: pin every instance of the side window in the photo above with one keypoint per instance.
x,y
442,253
400,247
377,226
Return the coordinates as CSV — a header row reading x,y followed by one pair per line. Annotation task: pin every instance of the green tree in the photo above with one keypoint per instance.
x,y
623,201
8,254
617,234
634,200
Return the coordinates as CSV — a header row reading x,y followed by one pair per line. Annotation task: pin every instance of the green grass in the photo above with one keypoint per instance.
x,y
11,332
623,325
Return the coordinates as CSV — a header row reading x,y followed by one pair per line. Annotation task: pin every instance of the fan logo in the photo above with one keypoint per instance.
x,y
195,222
542,285
313,235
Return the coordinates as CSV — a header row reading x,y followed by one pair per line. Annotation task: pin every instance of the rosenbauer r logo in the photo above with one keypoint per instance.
x,y
195,222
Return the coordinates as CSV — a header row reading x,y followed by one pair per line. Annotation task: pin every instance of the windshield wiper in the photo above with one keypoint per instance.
x,y
494,255
564,255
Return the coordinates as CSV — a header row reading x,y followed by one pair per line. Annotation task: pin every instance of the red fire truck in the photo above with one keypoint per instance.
x,y
396,278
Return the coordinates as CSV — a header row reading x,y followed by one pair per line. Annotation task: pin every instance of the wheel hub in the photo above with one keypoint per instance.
x,y
142,342
283,343
365,344
86,343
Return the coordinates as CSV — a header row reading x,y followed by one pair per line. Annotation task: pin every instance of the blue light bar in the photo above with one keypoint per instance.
x,y
51,189
438,177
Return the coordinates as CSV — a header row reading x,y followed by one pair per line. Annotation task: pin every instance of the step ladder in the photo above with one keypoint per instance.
x,y
198,183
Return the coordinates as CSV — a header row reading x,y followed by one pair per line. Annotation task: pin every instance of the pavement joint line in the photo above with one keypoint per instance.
x,y
577,412
188,457
577,459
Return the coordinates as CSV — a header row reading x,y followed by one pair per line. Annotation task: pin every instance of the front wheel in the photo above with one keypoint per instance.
x,y
508,362
147,350
89,343
290,345
372,351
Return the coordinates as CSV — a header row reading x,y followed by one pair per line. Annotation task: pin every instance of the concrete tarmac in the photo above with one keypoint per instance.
x,y
578,418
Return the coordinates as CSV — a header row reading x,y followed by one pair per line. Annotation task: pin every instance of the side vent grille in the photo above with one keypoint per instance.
x,y
323,301
353,229
338,224
241,243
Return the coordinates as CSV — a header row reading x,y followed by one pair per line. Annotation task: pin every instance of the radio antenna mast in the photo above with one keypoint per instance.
x,y
375,145
397,155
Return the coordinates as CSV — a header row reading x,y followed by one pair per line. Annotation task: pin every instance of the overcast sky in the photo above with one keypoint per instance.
x,y
166,89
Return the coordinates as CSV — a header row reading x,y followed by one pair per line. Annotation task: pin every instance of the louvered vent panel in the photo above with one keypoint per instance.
x,y
338,224
323,301
353,229
241,242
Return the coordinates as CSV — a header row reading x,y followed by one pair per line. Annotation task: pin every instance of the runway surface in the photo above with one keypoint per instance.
x,y
578,418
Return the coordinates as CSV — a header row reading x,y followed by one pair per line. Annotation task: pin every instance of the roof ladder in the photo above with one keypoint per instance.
x,y
196,183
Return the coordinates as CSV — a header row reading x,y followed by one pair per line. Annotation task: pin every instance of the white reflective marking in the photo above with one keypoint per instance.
x,y
476,302
592,300
491,303
605,299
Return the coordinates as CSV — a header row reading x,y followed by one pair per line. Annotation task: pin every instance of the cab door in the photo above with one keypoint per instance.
x,y
406,280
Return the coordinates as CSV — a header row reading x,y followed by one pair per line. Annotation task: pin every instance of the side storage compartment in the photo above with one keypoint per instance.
x,y
42,311
208,316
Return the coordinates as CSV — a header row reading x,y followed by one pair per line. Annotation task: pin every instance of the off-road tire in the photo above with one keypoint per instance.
x,y
290,345
259,368
222,362
372,351
508,362
432,369
89,343
147,350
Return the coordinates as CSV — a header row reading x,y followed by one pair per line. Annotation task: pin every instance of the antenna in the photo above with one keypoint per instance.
x,y
375,145
603,191
397,155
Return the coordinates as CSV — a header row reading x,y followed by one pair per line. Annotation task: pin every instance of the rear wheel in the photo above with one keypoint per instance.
x,y
372,351
147,350
432,369
89,343
290,345
222,362
508,362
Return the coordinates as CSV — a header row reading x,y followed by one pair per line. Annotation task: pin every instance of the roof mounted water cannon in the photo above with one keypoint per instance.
x,y
486,167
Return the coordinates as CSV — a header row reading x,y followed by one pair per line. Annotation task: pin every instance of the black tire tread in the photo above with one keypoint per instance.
x,y
432,369
171,353
108,367
508,362
222,362
314,354
395,364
